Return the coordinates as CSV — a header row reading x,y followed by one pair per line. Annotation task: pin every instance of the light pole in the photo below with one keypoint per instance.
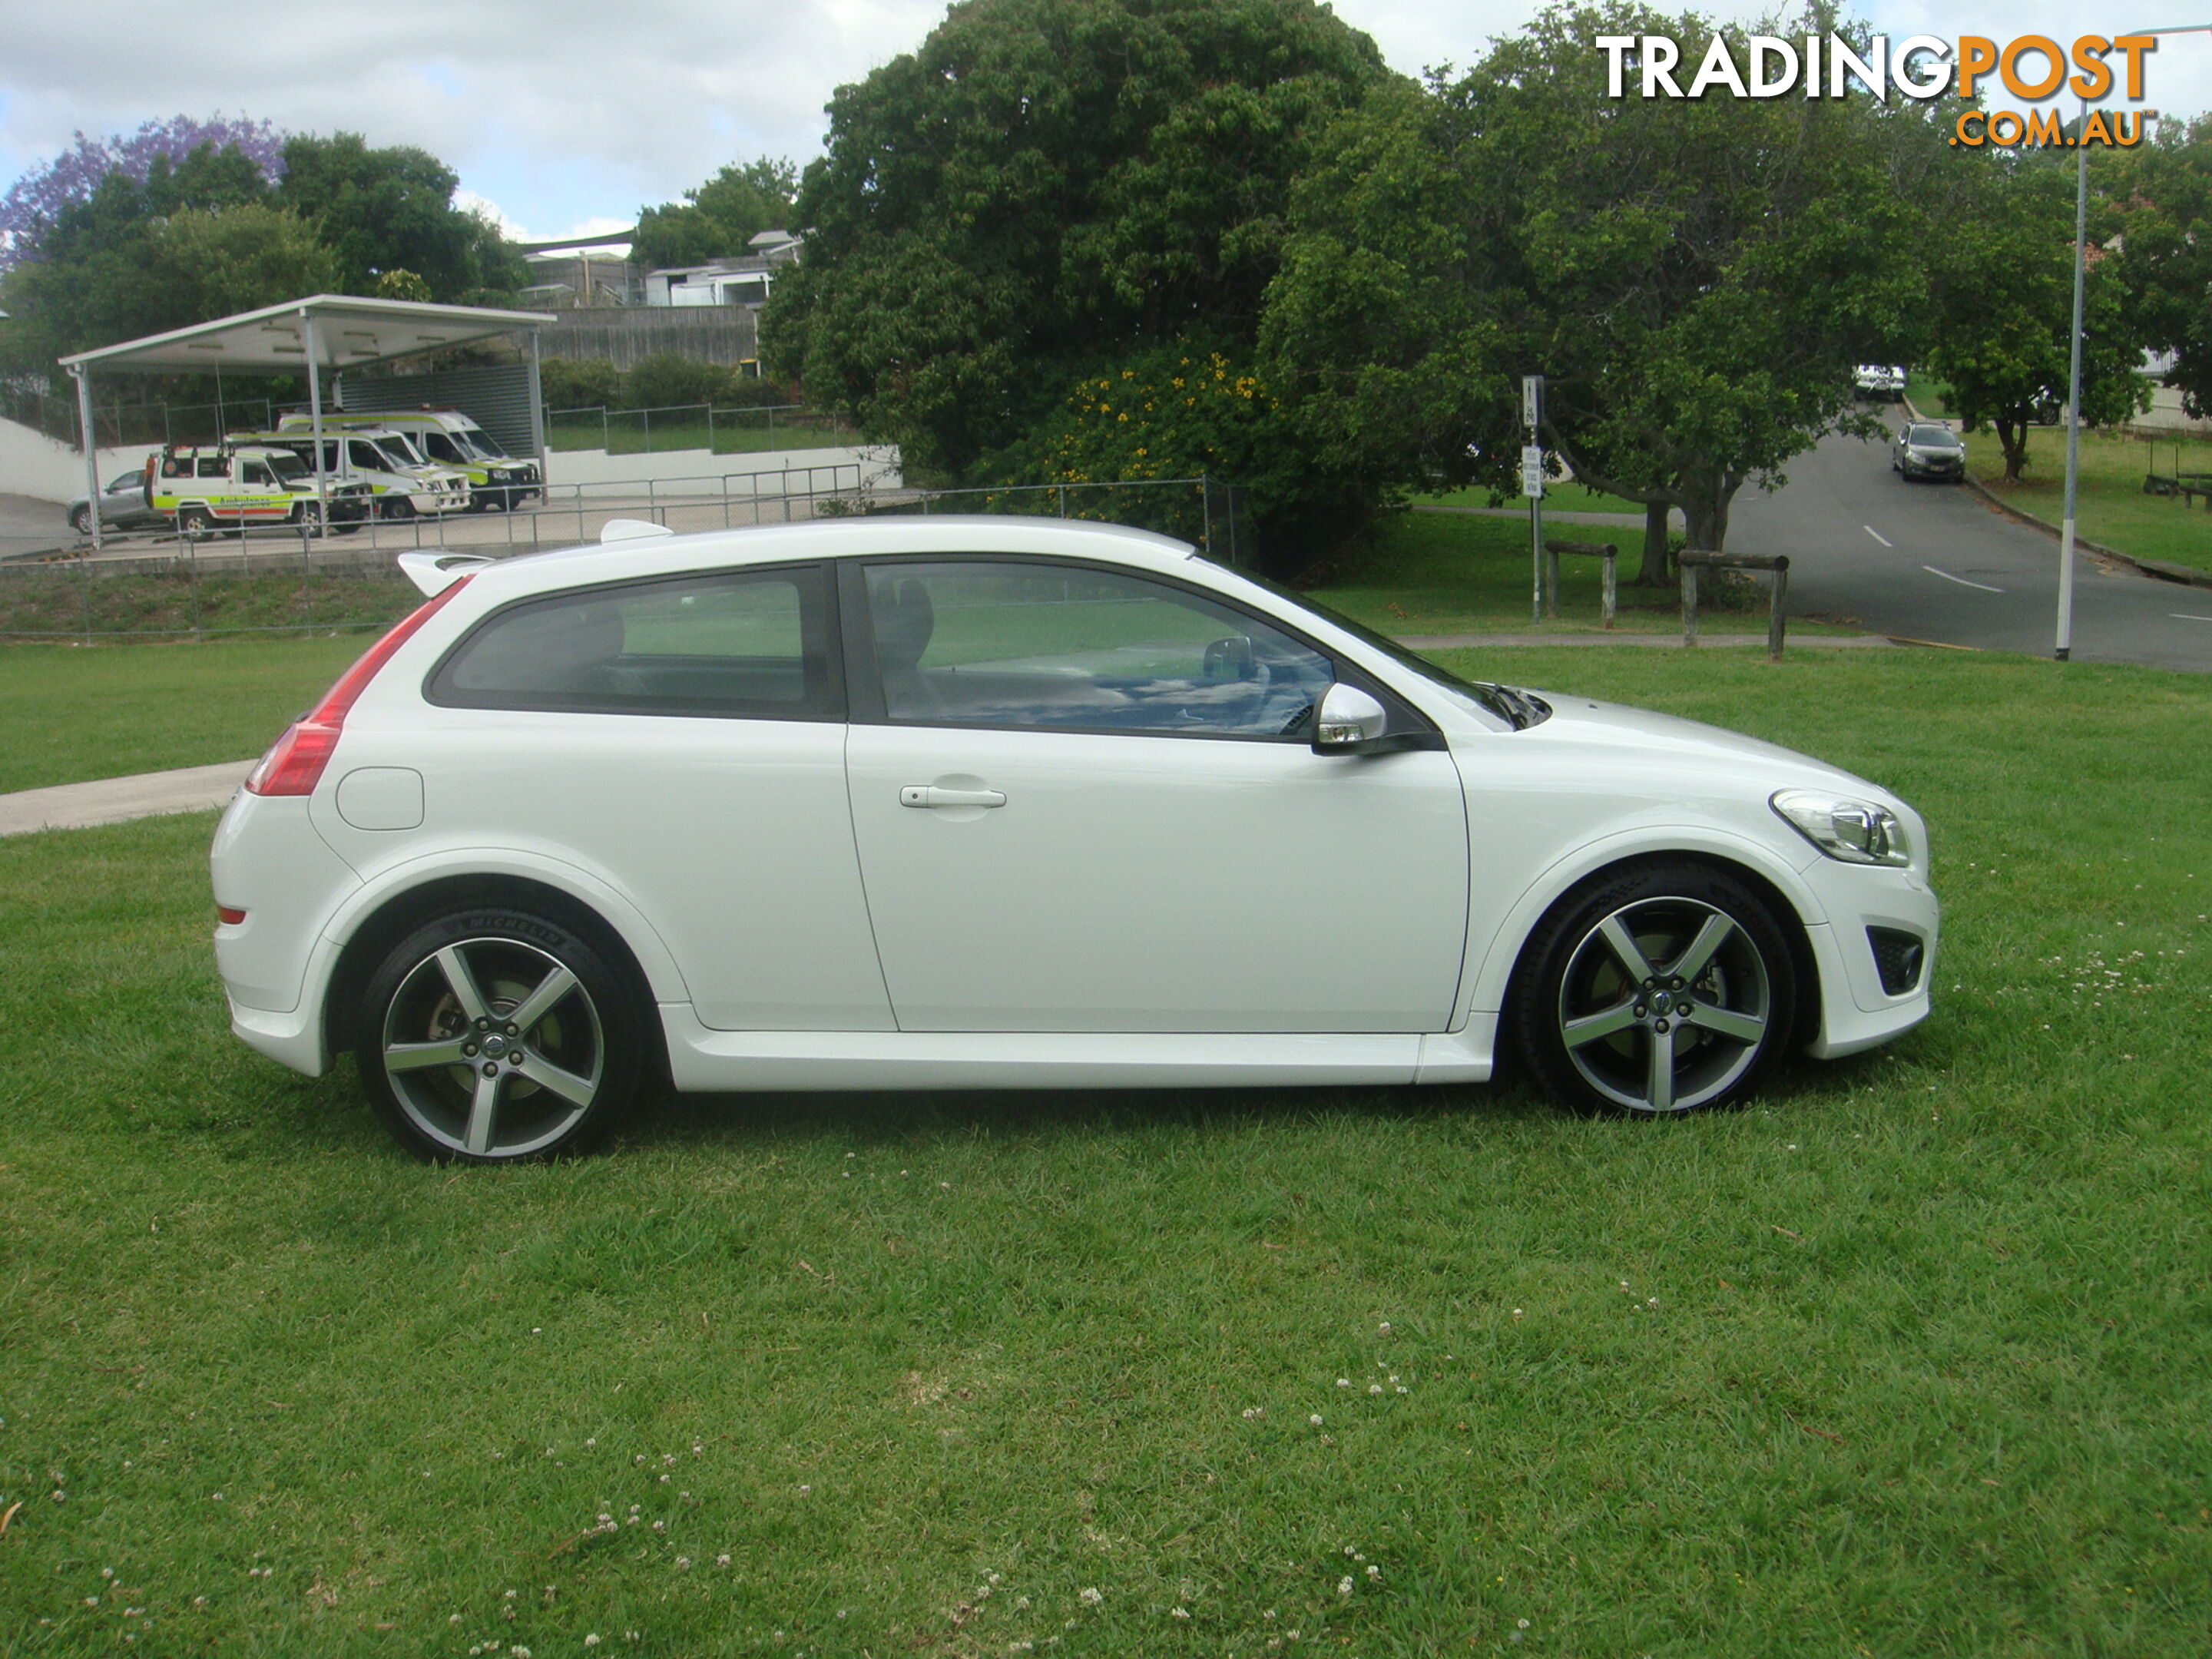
x,y
2074,360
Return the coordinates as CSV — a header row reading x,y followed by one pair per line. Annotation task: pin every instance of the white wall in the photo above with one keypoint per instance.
x,y
700,472
33,465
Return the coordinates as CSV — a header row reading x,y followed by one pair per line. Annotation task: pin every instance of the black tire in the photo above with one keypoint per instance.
x,y
81,521
1709,962
309,515
397,507
196,521
481,1087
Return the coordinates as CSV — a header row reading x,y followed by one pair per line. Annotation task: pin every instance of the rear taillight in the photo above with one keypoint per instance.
x,y
229,917
294,764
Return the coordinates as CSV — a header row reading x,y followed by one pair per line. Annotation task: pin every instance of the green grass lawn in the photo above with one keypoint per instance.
x,y
1912,1357
72,714
2112,508
1451,572
67,602
1558,498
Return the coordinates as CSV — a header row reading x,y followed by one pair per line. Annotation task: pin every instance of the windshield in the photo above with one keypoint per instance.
x,y
398,452
481,443
1517,709
288,467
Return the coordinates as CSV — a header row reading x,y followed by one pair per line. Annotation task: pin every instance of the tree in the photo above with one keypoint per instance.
x,y
102,274
2005,279
2157,205
1695,276
718,220
1047,189
381,210
34,203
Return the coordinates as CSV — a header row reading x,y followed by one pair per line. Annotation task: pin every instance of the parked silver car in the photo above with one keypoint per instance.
x,y
1924,450
122,507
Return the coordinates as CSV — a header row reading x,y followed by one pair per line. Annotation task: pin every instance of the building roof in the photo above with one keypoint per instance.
x,y
351,333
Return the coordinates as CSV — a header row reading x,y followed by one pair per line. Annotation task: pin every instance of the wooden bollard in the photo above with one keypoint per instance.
x,y
1589,550
1778,564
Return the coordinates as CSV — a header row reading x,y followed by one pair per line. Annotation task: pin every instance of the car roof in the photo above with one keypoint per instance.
x,y
877,536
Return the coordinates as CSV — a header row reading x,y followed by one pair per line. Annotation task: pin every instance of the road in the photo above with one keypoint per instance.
x,y
1932,561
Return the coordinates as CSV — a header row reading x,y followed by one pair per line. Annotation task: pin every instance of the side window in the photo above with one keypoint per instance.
x,y
752,644
364,456
257,472
1004,642
441,446
213,466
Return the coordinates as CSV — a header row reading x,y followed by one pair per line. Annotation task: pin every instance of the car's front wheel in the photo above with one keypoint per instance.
x,y
1658,989
496,1035
81,521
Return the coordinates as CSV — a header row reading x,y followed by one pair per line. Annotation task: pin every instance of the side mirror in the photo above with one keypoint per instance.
x,y
1347,721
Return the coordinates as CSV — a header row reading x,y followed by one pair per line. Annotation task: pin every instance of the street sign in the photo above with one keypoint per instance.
x,y
1532,471
1532,402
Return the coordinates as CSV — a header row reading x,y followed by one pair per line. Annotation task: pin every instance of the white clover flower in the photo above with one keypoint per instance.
x,y
1384,1327
1344,1585
683,1564
721,1560
660,1525
1090,1596
1374,1574
1178,1613
453,1618
1315,1420
107,1572
1374,1387
591,1639
1253,1413
1343,1382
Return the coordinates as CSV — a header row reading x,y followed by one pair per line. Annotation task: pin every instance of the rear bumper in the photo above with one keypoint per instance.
x,y
295,1039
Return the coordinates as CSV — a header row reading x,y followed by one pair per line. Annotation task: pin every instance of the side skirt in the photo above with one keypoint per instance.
x,y
703,1060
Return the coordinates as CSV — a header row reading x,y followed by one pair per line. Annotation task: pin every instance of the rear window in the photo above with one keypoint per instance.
x,y
750,644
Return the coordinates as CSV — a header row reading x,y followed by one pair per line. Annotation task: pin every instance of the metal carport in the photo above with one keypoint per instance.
x,y
323,332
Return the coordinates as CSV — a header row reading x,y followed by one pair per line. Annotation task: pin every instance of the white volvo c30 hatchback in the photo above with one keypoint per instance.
x,y
992,802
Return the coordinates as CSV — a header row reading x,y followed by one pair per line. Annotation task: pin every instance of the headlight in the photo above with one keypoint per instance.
x,y
1855,831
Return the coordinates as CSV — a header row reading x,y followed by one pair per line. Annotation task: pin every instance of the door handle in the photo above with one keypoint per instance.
x,y
928,794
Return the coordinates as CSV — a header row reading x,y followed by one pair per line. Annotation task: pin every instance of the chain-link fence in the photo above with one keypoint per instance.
x,y
120,425
283,579
728,431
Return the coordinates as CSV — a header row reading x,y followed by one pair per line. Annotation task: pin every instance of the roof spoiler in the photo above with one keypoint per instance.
x,y
434,573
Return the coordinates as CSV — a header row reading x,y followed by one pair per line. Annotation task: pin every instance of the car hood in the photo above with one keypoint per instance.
x,y
1643,741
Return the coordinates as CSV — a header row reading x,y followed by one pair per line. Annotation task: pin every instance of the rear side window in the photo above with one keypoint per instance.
x,y
753,644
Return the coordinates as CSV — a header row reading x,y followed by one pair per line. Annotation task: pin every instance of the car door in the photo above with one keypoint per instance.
x,y
681,738
1086,800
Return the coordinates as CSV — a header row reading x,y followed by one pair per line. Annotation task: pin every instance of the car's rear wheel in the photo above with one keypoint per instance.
x,y
1659,990
497,1035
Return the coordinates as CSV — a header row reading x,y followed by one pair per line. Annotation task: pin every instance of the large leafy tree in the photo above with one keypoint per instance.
x,y
2004,323
1049,189
105,269
2156,214
1695,276
35,203
719,218
392,208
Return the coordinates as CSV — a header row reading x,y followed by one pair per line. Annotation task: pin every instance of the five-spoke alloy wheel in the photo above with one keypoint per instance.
x,y
1660,989
496,1035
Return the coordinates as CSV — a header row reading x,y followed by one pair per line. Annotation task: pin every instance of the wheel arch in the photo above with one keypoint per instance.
x,y
386,920
1775,884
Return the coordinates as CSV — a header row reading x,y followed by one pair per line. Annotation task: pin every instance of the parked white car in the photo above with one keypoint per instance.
x,y
996,802
1883,380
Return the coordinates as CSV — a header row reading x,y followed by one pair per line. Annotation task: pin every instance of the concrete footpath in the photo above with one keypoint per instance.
x,y
118,800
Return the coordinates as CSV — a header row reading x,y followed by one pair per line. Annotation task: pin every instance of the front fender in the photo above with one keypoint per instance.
x,y
1655,840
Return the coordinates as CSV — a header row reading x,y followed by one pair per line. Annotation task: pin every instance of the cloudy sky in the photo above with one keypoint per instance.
x,y
565,115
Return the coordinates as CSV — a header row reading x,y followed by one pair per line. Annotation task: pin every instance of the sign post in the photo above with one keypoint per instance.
x,y
1532,486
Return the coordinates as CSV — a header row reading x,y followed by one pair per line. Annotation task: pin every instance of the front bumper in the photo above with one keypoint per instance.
x,y
1857,1010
